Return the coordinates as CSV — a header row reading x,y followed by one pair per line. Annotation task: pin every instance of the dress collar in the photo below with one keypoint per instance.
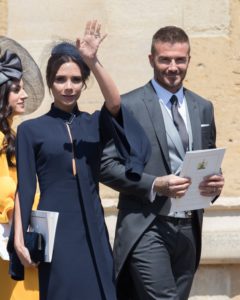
x,y
58,113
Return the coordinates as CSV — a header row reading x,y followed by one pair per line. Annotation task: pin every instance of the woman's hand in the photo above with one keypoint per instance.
x,y
88,45
22,251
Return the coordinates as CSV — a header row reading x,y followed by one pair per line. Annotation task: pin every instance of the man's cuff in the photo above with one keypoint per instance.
x,y
152,195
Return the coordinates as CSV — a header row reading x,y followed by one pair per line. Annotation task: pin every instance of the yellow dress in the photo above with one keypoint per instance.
x,y
10,289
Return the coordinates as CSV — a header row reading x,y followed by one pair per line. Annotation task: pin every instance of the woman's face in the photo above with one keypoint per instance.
x,y
16,98
67,86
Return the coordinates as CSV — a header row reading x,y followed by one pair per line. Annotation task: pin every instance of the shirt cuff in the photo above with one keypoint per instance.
x,y
152,193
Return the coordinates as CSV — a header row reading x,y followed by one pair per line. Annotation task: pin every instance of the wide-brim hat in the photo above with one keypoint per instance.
x,y
32,77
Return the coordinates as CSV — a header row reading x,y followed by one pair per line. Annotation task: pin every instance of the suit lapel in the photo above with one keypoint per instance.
x,y
152,104
153,107
195,120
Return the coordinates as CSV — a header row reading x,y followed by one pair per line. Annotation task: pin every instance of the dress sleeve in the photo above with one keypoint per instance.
x,y
7,194
7,186
4,170
26,172
131,142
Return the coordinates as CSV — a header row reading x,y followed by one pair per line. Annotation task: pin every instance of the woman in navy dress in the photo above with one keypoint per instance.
x,y
63,149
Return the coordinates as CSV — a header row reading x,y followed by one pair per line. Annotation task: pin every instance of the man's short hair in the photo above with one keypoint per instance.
x,y
169,34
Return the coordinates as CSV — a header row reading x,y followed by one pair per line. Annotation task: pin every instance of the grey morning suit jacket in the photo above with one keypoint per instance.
x,y
136,212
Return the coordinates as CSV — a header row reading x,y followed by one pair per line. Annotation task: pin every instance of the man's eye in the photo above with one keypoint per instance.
x,y
165,60
181,60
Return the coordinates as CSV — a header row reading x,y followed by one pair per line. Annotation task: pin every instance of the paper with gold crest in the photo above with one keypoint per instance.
x,y
197,165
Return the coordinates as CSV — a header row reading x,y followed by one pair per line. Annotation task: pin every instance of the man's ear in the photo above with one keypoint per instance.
x,y
151,58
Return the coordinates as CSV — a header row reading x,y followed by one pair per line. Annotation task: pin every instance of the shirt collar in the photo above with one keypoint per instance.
x,y
164,95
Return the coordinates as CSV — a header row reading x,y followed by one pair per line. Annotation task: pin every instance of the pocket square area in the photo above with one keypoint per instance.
x,y
205,125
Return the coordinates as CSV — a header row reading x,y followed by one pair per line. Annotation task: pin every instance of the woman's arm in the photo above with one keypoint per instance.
x,y
21,250
88,48
26,170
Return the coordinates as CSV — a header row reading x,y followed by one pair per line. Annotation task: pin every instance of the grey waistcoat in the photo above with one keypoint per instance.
x,y
176,151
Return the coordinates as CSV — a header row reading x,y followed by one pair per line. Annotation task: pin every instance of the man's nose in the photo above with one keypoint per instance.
x,y
173,65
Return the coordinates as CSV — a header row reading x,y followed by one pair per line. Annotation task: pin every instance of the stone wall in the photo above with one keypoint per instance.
x,y
3,17
214,72
213,26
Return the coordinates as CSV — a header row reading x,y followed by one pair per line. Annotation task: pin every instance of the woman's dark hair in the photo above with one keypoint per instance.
x,y
5,127
63,53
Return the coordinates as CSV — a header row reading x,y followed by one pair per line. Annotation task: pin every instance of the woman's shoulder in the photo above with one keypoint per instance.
x,y
31,129
32,124
86,116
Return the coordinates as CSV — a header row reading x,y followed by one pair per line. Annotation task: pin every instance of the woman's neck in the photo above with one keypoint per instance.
x,y
10,120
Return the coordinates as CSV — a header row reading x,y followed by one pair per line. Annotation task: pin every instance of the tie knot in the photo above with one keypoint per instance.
x,y
174,100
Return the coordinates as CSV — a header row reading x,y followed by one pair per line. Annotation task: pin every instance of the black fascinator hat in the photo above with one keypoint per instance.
x,y
61,53
18,63
10,67
67,48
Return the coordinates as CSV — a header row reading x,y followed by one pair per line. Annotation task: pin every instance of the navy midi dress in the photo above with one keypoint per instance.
x,y
82,265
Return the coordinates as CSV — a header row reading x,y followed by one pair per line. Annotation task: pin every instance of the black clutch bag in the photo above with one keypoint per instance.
x,y
35,244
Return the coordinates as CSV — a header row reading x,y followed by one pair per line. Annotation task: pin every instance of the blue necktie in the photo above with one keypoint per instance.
x,y
179,123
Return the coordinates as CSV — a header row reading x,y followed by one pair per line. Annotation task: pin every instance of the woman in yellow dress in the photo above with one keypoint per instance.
x,y
12,103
